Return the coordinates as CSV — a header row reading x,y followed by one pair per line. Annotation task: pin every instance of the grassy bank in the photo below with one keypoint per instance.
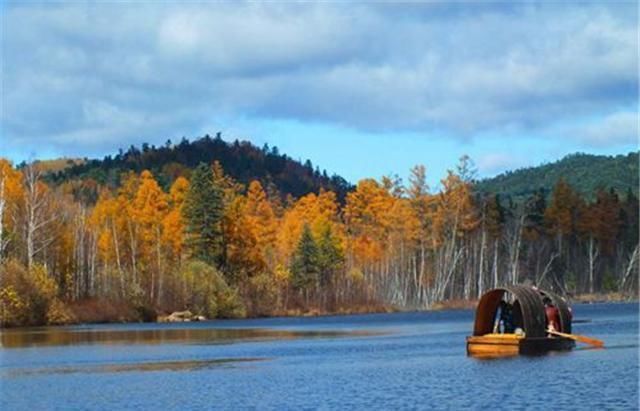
x,y
603,298
100,311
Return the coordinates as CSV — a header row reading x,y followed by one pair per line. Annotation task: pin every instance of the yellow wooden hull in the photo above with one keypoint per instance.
x,y
494,345
505,345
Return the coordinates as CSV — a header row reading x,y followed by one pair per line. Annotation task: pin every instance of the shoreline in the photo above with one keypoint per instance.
x,y
603,298
596,298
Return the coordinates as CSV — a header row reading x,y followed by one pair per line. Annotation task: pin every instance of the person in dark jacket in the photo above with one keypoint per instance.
x,y
504,319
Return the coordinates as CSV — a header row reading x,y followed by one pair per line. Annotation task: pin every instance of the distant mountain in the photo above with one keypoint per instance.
x,y
240,159
584,172
279,173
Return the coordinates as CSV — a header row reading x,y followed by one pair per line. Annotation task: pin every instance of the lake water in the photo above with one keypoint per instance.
x,y
377,361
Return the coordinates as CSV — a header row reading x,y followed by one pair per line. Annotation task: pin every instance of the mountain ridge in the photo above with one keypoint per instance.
x,y
240,159
245,162
586,173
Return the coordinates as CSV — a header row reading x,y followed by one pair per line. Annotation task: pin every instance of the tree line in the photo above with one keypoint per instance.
x,y
224,249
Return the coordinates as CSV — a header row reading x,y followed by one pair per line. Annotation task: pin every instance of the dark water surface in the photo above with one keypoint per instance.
x,y
378,361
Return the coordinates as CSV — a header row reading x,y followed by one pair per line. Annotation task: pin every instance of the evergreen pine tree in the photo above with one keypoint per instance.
x,y
535,208
330,256
202,211
495,216
304,266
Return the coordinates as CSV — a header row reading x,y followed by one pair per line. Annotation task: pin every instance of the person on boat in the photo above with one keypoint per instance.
x,y
498,318
504,320
553,316
507,319
569,309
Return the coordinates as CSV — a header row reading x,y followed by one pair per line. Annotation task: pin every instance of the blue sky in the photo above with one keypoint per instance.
x,y
360,88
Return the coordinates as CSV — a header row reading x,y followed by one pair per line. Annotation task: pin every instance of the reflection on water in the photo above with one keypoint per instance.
x,y
53,336
404,361
608,347
143,366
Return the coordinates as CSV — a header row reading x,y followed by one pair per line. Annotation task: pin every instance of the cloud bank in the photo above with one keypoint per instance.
x,y
103,75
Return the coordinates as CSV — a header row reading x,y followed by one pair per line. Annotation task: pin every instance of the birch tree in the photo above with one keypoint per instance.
x,y
38,214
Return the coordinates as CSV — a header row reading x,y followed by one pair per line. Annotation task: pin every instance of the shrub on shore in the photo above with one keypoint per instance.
x,y
29,296
210,295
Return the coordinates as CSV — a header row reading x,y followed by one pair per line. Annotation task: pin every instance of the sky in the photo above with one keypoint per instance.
x,y
362,89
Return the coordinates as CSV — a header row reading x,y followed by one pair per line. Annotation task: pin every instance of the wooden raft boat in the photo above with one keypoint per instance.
x,y
528,310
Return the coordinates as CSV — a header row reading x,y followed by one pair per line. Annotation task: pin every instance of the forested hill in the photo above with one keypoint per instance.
x,y
584,172
245,162
241,160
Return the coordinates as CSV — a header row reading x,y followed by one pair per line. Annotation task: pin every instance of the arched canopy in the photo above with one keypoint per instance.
x,y
530,303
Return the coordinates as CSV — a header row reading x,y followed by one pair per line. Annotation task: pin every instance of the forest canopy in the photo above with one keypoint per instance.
x,y
113,240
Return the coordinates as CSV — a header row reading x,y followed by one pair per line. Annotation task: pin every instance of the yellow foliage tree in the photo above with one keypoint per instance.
x,y
110,225
366,218
262,221
149,208
319,212
173,224
11,195
243,258
454,212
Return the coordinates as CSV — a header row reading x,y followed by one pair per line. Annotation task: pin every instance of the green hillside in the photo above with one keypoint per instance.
x,y
584,172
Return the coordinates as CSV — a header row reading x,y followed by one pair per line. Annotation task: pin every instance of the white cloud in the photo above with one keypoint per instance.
x,y
494,163
127,71
617,128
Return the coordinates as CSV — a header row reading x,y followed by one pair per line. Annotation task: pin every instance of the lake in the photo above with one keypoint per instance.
x,y
376,361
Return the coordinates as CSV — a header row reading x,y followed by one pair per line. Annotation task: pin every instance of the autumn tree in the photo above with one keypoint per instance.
x,y
109,225
173,224
561,220
262,221
454,215
364,214
11,194
149,208
242,256
606,213
561,216
599,225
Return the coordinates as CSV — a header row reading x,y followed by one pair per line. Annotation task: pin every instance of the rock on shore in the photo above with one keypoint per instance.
x,y
180,316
